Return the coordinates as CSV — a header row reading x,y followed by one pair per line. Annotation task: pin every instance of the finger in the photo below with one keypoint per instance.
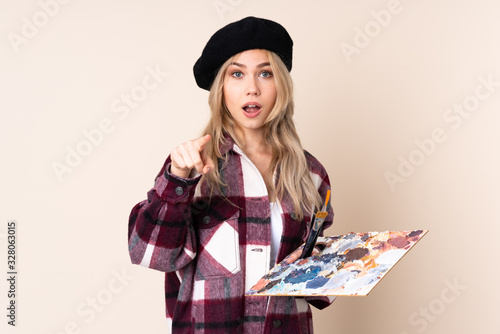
x,y
294,256
186,156
177,160
209,165
178,166
195,156
202,141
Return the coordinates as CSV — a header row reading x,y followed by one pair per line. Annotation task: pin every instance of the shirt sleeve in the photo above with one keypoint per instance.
x,y
160,233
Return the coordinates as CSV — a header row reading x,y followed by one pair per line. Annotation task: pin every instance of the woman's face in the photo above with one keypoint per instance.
x,y
249,89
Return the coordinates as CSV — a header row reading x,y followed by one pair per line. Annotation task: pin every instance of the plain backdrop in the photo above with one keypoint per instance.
x,y
398,99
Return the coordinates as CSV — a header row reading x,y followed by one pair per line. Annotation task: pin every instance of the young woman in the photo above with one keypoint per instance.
x,y
227,206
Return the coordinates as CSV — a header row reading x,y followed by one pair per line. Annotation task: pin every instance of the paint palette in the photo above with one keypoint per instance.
x,y
348,265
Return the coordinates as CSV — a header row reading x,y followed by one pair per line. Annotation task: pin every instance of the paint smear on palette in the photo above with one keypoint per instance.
x,y
348,265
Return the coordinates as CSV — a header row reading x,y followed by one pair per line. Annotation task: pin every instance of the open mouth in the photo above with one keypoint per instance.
x,y
251,109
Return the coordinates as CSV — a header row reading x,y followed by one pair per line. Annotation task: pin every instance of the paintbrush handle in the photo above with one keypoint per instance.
x,y
309,246
316,226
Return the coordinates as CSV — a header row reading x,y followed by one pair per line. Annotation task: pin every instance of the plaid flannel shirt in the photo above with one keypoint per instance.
x,y
213,251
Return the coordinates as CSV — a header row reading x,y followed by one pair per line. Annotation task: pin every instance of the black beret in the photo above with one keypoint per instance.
x,y
246,34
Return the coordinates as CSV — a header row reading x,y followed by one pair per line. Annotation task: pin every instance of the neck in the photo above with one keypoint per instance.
x,y
251,140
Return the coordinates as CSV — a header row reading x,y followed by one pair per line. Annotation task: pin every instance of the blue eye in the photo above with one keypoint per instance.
x,y
237,74
266,74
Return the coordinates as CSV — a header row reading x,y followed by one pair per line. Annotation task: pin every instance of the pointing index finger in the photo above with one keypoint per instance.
x,y
202,141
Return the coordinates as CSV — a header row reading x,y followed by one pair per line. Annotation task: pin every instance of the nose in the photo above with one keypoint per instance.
x,y
252,86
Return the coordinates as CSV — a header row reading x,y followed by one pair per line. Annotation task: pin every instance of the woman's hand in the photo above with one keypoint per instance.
x,y
295,255
189,155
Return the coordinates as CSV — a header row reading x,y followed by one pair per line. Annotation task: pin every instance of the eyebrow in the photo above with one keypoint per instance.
x,y
258,66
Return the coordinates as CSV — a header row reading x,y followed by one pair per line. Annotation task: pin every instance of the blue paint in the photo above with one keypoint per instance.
x,y
318,282
327,258
269,285
302,275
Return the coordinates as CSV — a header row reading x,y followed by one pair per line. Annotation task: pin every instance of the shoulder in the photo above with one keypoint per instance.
x,y
317,171
314,165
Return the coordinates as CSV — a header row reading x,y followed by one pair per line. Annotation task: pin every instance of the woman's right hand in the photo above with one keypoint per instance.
x,y
189,155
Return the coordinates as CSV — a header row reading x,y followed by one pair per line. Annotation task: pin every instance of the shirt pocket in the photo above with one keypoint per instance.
x,y
218,243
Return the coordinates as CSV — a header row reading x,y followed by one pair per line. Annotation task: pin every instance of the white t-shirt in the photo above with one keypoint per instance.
x,y
276,230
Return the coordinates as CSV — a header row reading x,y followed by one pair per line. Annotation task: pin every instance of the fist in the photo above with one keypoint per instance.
x,y
191,155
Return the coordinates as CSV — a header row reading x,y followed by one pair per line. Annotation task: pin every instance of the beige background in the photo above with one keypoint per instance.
x,y
359,115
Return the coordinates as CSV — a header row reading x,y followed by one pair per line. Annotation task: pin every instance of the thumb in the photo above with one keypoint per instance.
x,y
209,164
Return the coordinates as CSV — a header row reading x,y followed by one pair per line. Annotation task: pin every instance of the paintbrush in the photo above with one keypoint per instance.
x,y
316,227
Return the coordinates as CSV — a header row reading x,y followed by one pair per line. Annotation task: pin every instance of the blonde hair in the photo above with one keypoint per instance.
x,y
288,156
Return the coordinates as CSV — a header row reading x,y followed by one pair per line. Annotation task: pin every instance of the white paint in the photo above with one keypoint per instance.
x,y
390,257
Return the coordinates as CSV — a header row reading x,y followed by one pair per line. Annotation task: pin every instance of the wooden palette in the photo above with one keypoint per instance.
x,y
348,265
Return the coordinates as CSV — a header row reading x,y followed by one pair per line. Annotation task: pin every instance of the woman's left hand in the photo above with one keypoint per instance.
x,y
295,255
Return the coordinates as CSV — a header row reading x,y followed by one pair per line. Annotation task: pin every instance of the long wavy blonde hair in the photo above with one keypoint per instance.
x,y
288,156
